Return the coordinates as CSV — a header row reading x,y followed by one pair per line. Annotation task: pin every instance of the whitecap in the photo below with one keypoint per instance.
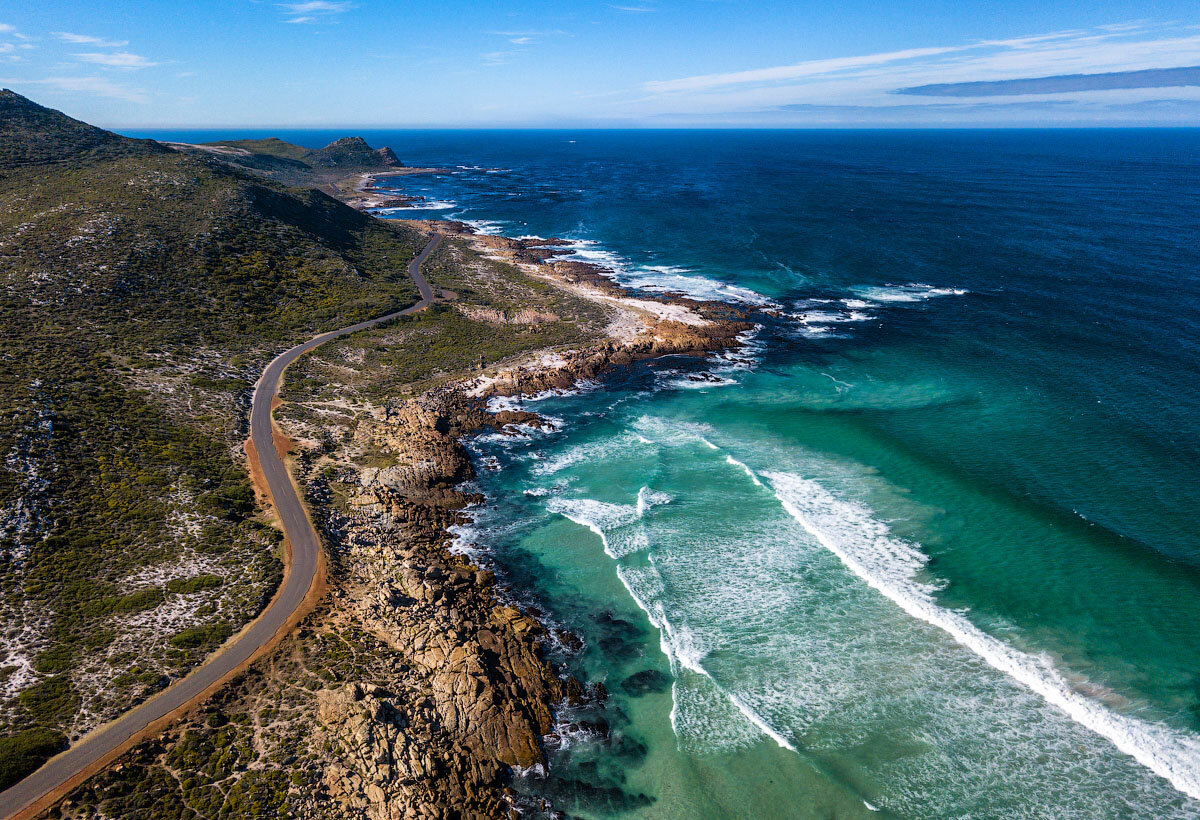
x,y
910,292
427,205
611,522
892,566
664,278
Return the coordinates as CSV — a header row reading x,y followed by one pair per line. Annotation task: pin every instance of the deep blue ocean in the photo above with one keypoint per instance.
x,y
927,547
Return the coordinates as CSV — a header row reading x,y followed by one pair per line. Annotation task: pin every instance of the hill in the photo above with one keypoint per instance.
x,y
296,165
33,135
142,288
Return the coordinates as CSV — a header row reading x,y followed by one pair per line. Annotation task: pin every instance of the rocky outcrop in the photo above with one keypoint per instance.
x,y
352,152
472,695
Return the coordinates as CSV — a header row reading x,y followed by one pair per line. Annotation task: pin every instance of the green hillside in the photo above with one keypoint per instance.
x,y
142,289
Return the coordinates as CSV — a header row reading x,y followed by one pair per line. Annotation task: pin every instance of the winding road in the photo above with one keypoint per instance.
x,y
63,772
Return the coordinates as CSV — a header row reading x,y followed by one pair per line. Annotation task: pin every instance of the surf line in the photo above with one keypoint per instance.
x,y
1170,755
671,642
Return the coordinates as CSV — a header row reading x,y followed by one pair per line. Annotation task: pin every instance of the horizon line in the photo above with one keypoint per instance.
x,y
831,127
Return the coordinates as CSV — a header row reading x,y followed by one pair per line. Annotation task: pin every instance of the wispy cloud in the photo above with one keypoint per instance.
x,y
523,39
1063,83
314,11
118,59
810,68
874,79
529,37
494,58
98,86
633,9
88,40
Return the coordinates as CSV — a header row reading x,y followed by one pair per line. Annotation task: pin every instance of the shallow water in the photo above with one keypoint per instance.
x,y
927,550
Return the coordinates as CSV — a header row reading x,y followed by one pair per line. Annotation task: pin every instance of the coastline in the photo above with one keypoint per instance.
x,y
493,696
362,195
454,618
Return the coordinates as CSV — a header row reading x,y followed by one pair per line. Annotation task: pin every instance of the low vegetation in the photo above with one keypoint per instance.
x,y
142,290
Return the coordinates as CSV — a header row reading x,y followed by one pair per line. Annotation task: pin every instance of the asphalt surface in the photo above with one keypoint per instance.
x,y
305,554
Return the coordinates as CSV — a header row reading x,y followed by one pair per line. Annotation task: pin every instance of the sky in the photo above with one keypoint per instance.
x,y
621,63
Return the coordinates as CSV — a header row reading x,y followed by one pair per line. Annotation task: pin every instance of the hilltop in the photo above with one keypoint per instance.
x,y
34,135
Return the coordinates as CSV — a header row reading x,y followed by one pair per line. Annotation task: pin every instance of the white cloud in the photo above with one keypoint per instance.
x,y
88,40
313,11
7,27
117,59
316,6
493,58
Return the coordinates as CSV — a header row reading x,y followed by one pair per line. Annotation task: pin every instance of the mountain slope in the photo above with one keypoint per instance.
x,y
142,288
33,135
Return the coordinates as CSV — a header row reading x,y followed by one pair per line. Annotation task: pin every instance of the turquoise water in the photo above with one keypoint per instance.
x,y
928,550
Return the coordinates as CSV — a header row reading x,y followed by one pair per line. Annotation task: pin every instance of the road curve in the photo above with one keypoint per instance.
x,y
305,548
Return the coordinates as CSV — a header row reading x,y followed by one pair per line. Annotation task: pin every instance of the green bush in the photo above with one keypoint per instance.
x,y
139,601
54,660
194,584
24,752
201,636
51,701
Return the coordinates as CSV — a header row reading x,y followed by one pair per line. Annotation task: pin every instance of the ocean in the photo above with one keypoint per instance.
x,y
924,547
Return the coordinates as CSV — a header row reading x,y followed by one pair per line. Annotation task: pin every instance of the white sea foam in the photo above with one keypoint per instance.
x,y
910,292
672,279
487,227
733,462
891,566
672,432
699,381
615,524
497,403
665,278
647,498
586,452
426,205
701,717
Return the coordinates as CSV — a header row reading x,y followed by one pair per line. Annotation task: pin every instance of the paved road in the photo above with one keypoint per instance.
x,y
305,553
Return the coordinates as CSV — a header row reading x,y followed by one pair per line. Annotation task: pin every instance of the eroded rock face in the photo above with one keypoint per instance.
x,y
472,695
663,338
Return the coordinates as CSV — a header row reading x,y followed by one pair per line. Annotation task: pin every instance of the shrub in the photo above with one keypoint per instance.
x,y
198,636
194,584
22,753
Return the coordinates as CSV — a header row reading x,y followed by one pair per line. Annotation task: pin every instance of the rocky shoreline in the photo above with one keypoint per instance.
x,y
417,687
492,687
491,690
363,195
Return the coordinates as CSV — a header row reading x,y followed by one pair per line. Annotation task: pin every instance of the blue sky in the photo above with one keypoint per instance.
x,y
622,63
